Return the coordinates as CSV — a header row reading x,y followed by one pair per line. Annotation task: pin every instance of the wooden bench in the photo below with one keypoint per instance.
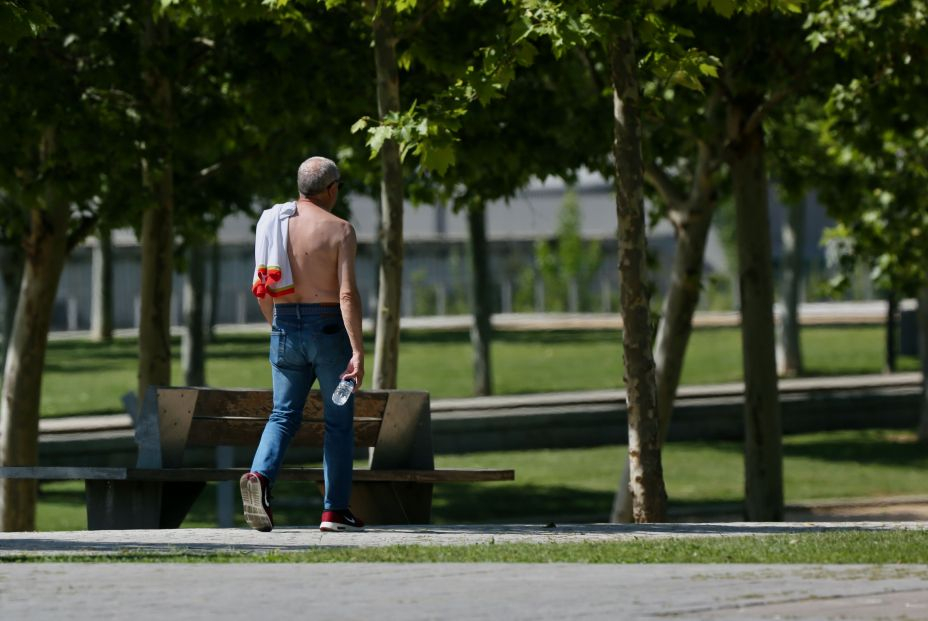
x,y
395,425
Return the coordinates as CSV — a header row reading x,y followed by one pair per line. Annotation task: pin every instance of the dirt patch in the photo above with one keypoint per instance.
x,y
914,509
901,512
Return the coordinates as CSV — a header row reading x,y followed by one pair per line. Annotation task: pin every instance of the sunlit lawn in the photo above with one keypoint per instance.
x,y
551,485
889,554
578,484
83,377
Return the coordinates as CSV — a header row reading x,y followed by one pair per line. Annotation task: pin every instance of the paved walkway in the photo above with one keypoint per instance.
x,y
141,591
52,592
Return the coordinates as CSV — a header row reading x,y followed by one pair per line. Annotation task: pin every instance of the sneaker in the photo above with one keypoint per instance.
x,y
256,498
334,521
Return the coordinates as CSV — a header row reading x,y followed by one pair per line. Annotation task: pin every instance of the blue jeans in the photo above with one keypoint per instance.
x,y
309,341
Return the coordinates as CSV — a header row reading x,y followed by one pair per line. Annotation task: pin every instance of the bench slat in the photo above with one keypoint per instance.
x,y
258,403
62,473
246,431
448,475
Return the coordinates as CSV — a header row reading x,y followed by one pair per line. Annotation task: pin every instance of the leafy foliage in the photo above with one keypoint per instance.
x,y
873,131
20,19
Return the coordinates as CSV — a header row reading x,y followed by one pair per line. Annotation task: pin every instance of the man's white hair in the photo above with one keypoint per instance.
x,y
315,175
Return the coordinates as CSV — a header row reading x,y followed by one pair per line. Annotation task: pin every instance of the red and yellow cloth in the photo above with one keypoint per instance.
x,y
272,264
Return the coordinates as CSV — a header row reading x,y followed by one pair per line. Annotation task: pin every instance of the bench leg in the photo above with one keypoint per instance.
x,y
122,505
378,502
176,499
119,505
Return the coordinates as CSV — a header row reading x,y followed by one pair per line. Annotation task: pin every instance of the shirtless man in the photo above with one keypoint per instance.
x,y
315,333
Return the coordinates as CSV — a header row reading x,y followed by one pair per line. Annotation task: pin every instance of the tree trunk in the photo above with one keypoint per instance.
x,y
46,250
676,325
793,233
649,498
158,221
215,264
155,314
12,262
892,309
763,452
387,339
193,343
923,358
481,331
101,321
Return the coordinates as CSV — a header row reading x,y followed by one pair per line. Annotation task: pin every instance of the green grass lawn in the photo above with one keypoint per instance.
x,y
841,547
578,484
551,485
84,377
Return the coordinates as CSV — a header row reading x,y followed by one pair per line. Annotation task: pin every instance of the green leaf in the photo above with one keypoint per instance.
x,y
709,70
405,60
725,8
687,80
816,39
359,125
377,136
438,158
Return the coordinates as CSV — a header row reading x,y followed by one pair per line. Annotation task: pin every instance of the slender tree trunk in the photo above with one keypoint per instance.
x,y
193,343
157,222
155,316
101,321
892,310
649,498
793,233
215,264
923,358
46,249
763,453
481,332
12,262
387,339
676,325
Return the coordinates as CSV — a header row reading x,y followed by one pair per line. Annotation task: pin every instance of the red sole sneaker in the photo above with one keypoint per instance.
x,y
336,527
340,521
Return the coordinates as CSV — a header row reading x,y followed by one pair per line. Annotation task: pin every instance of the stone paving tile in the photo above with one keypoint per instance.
x,y
300,538
142,591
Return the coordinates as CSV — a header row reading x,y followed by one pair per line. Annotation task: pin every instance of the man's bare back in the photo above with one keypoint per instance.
x,y
316,240
321,250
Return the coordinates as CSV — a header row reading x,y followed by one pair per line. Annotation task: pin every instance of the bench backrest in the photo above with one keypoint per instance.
x,y
395,424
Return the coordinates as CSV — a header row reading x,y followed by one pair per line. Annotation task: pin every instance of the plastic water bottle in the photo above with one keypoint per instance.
x,y
343,391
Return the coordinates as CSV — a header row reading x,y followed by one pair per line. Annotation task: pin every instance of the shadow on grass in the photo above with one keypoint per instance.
x,y
490,502
877,450
84,366
505,336
859,369
501,504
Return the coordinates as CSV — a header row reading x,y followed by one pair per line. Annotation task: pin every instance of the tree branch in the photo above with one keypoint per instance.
x,y
415,26
658,178
708,160
82,230
761,112
596,78
238,157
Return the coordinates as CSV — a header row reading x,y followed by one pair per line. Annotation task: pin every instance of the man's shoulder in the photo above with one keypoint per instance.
x,y
338,224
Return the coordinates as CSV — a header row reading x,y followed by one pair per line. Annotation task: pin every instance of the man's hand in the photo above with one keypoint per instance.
x,y
355,370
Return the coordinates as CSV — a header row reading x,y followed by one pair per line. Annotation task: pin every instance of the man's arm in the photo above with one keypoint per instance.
x,y
267,308
350,303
